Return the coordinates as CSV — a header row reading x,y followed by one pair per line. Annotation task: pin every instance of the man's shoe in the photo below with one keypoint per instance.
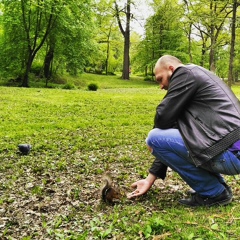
x,y
228,188
196,200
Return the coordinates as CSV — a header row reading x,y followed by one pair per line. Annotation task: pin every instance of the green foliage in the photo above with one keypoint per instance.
x,y
109,49
75,26
32,29
163,36
155,226
37,69
92,87
85,34
12,42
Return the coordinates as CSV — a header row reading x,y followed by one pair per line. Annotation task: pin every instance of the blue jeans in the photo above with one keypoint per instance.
x,y
168,146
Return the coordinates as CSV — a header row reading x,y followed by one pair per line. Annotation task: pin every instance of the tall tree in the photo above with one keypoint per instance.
x,y
126,34
164,35
208,18
34,20
108,36
38,17
69,45
48,60
56,29
232,46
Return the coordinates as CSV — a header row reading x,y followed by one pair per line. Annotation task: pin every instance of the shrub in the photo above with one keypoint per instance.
x,y
148,78
92,87
69,86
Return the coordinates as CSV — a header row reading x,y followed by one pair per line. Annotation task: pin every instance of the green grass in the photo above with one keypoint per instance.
x,y
77,135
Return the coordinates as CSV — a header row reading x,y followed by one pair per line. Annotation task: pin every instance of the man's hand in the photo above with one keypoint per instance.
x,y
142,186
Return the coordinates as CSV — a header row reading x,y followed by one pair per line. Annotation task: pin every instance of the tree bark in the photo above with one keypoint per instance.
x,y
190,43
126,35
213,40
25,81
108,48
47,63
232,48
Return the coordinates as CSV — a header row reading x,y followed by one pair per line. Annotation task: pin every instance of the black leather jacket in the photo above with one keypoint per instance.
x,y
204,109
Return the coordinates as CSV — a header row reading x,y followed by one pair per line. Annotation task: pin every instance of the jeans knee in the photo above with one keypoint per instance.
x,y
151,136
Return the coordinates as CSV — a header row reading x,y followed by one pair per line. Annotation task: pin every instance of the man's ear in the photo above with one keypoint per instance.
x,y
171,68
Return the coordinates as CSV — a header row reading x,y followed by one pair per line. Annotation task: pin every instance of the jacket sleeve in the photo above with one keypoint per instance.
x,y
158,169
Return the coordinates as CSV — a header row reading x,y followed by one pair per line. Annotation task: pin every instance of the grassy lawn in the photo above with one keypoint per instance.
x,y
77,135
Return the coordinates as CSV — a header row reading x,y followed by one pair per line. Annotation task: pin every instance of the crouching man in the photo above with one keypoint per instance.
x,y
196,133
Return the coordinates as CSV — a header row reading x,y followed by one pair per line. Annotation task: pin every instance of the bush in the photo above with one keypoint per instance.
x,y
69,86
92,87
149,79
13,82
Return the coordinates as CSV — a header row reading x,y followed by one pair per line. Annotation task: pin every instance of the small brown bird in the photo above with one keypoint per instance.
x,y
108,191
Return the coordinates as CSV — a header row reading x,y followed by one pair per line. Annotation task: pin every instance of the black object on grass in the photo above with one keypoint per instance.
x,y
24,148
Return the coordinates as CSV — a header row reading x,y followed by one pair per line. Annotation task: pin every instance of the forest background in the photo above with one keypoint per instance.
x,y
43,41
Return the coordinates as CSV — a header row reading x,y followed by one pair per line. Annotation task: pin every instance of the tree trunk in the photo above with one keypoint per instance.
x,y
126,60
126,35
126,64
190,43
25,81
108,48
47,63
32,41
107,58
212,51
233,36
203,53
